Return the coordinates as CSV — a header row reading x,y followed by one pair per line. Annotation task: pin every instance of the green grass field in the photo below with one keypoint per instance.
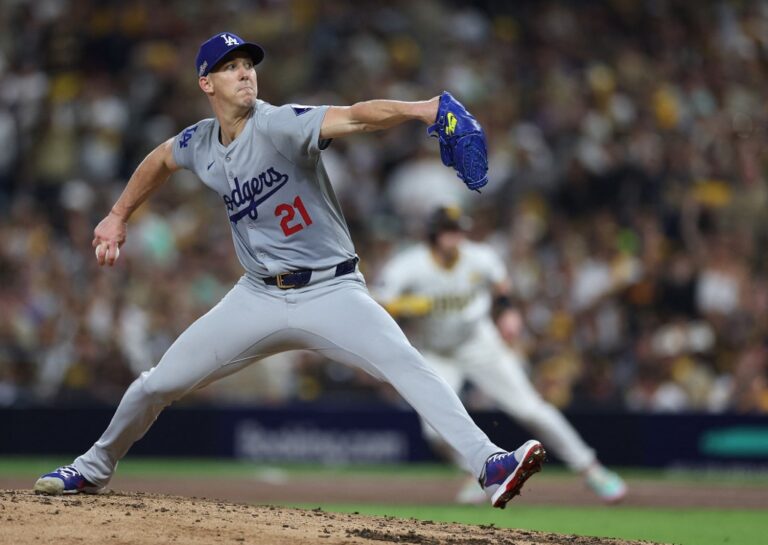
x,y
663,525
678,526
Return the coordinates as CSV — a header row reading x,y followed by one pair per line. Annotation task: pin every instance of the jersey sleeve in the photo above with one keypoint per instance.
x,y
187,146
395,291
391,282
295,131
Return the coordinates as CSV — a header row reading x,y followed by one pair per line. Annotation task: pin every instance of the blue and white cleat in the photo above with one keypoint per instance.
x,y
505,473
65,480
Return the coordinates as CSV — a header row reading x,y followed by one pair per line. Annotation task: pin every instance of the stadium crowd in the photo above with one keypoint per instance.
x,y
627,194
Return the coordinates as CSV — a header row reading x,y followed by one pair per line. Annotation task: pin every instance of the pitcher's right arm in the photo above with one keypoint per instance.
x,y
153,171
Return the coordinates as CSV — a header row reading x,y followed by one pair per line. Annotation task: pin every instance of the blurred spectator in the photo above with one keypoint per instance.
x,y
627,184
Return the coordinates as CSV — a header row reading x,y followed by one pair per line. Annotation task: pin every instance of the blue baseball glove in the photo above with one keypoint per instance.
x,y
462,142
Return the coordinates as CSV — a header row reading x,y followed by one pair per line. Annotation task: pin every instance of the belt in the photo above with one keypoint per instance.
x,y
302,277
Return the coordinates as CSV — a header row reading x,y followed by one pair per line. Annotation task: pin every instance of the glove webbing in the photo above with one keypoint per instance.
x,y
471,151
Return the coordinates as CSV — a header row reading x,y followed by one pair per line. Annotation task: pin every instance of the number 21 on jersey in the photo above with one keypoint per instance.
x,y
288,220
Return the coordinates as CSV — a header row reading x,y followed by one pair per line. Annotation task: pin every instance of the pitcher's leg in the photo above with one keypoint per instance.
x,y
454,377
216,339
362,334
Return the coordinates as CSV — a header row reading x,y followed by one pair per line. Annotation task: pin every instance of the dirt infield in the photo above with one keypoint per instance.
x,y
215,510
142,519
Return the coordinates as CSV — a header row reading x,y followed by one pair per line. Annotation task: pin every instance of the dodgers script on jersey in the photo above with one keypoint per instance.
x,y
281,206
459,296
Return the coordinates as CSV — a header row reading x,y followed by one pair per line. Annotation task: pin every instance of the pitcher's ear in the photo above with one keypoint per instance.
x,y
205,84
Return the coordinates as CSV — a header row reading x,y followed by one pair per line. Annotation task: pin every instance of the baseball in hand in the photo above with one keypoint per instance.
x,y
101,248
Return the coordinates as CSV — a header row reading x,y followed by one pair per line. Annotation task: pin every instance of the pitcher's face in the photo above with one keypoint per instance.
x,y
233,80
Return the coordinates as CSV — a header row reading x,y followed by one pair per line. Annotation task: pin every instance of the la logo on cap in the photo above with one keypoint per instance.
x,y
215,48
229,40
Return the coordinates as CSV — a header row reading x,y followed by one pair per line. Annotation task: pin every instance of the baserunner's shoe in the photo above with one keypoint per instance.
x,y
65,480
505,473
607,485
470,493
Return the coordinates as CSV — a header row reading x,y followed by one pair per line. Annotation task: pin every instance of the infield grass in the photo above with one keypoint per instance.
x,y
675,526
185,467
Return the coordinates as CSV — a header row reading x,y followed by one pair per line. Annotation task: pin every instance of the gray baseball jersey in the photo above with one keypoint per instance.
x,y
282,210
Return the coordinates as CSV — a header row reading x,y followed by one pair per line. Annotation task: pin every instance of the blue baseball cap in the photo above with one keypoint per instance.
x,y
216,47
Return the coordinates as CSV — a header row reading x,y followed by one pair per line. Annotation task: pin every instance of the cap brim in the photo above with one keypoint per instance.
x,y
255,51
462,224
451,226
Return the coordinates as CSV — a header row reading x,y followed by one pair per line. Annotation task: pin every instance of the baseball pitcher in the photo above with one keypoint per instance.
x,y
302,288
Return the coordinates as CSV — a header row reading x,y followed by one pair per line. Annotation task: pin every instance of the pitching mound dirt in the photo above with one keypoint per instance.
x,y
139,519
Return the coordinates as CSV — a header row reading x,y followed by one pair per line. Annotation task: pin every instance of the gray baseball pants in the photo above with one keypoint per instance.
x,y
336,317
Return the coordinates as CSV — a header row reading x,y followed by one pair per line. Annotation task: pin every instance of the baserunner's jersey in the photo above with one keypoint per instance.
x,y
282,210
448,303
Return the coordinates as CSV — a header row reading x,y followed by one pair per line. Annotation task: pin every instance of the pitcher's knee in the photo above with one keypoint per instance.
x,y
157,391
